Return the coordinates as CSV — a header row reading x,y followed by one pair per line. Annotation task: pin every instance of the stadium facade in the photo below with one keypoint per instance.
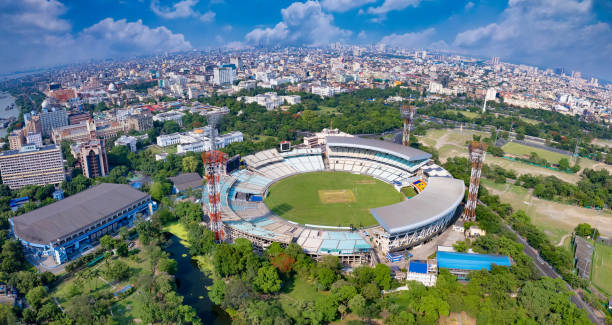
x,y
66,228
401,226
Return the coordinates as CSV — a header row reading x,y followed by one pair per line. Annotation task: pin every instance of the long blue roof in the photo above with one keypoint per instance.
x,y
466,261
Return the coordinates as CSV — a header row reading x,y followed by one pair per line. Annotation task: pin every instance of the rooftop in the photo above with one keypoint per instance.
x,y
407,153
28,148
467,261
62,218
186,180
441,196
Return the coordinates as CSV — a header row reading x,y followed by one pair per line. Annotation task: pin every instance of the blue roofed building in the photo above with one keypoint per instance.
x,y
460,264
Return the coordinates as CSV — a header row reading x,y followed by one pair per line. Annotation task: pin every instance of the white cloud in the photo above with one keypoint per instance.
x,y
343,5
29,42
32,16
208,16
469,5
111,37
391,5
545,32
303,24
181,9
362,34
410,40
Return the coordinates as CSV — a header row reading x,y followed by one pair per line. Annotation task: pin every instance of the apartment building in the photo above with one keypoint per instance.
x,y
32,165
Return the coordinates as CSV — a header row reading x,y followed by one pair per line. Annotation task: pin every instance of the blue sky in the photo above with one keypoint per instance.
x,y
574,34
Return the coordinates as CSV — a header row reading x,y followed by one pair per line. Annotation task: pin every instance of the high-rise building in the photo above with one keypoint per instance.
x,y
16,140
223,76
32,165
92,157
52,118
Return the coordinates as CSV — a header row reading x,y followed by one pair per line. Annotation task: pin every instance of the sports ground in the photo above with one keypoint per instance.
x,y
330,198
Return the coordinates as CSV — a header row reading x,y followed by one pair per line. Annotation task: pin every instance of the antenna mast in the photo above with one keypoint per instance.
x,y
214,161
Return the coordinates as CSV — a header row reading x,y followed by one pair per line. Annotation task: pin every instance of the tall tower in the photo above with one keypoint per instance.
x,y
478,151
214,161
407,112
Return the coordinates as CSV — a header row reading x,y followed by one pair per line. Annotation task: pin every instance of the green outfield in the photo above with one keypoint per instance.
x,y
330,198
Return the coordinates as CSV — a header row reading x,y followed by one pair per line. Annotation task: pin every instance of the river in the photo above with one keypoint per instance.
x,y
192,285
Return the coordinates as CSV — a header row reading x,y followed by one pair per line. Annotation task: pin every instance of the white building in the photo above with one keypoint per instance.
x,y
326,91
491,94
437,88
168,139
170,116
223,76
128,141
271,100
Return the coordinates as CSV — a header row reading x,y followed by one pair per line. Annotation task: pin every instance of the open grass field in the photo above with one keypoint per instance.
x,y
452,143
523,150
602,265
467,114
554,218
330,198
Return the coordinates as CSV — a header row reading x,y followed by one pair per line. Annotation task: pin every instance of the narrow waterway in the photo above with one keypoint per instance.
x,y
192,285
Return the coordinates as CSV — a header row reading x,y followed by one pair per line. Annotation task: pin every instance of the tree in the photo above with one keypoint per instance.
x,y
117,270
585,230
107,242
217,291
325,276
328,306
382,275
159,189
167,265
7,317
122,248
357,305
190,164
267,280
36,296
564,164
371,291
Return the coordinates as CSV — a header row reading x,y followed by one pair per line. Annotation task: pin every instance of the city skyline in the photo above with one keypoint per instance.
x,y
575,35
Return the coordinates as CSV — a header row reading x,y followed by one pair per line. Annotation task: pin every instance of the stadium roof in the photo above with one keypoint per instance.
x,y
407,153
466,261
63,218
441,196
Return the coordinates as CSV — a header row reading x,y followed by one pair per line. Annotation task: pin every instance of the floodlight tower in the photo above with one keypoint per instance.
x,y
214,161
478,150
407,113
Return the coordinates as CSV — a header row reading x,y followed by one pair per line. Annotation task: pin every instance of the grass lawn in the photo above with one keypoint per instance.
x,y
523,150
155,149
260,138
409,191
602,264
327,109
467,114
349,197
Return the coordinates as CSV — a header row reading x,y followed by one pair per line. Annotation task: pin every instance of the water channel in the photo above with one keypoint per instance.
x,y
192,285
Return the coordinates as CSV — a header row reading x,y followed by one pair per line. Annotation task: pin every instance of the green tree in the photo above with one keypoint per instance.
x,y
36,296
190,164
357,305
564,164
382,275
267,279
325,276
107,242
217,291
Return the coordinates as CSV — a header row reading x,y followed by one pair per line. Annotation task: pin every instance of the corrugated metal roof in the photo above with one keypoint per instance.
x,y
62,218
467,261
441,196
